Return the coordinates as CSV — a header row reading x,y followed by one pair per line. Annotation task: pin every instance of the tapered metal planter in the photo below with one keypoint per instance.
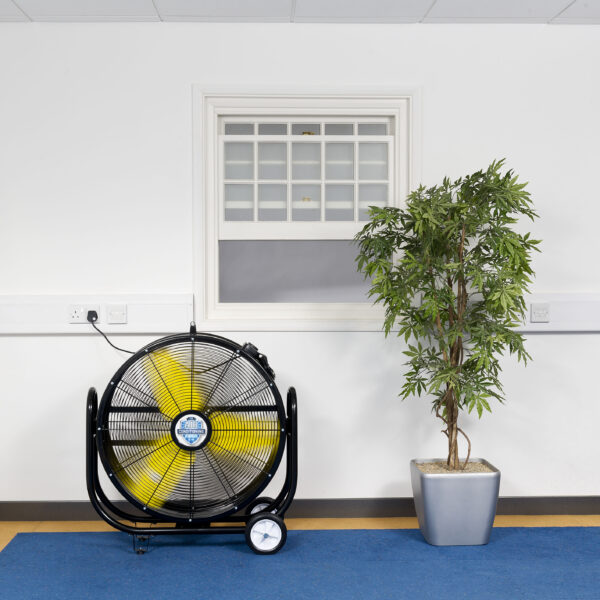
x,y
455,509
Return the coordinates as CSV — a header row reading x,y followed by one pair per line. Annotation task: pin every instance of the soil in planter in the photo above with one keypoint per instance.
x,y
442,467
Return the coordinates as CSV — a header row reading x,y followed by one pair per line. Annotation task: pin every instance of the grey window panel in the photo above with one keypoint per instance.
x,y
339,128
306,129
272,160
371,194
373,160
306,160
239,214
339,202
239,160
372,129
306,202
239,128
339,161
239,202
290,271
272,128
272,202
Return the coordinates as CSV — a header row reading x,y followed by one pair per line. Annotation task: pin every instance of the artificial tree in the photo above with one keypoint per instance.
x,y
451,272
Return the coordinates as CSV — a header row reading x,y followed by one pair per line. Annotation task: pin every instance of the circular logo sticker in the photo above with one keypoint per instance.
x,y
191,430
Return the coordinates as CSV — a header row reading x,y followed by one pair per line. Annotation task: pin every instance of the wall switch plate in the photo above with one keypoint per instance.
x,y
116,314
77,313
540,312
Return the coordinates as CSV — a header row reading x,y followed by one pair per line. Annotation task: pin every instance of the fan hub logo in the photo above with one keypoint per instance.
x,y
190,430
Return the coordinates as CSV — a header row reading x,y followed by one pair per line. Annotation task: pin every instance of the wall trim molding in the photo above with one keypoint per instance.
x,y
319,508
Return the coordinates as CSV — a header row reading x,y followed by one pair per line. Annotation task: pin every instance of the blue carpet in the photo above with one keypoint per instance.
x,y
518,563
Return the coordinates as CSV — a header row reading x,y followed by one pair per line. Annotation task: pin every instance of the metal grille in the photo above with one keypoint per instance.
x,y
215,379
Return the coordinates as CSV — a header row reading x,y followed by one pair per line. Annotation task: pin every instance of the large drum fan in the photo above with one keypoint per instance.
x,y
190,430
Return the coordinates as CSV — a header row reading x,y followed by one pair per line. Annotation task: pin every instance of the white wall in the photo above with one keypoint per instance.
x,y
96,197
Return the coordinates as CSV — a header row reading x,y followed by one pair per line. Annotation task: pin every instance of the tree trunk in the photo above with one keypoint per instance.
x,y
452,416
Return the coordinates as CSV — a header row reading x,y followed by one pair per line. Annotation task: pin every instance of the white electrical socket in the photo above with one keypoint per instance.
x,y
116,314
77,313
540,312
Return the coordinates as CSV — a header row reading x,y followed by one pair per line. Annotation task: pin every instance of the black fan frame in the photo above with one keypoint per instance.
x,y
259,365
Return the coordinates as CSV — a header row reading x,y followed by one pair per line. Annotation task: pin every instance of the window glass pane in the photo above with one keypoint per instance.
x,y
239,202
372,129
339,161
272,202
306,129
289,271
339,128
306,160
371,194
239,128
272,160
373,161
272,129
306,202
239,160
339,202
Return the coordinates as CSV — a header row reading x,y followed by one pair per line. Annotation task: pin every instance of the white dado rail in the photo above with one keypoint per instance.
x,y
118,313
562,313
166,313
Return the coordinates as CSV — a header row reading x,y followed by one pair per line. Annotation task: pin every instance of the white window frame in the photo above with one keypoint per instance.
x,y
208,221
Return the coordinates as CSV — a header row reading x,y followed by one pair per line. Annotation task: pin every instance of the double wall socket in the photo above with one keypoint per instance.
x,y
114,314
77,313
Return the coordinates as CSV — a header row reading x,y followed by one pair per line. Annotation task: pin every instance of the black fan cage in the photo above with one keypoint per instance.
x,y
191,427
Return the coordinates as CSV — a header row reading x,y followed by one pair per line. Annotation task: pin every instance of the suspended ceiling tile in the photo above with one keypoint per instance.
x,y
361,11
89,10
10,12
581,11
495,11
224,10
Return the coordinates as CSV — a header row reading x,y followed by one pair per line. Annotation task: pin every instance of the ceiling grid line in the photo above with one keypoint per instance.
x,y
21,10
293,12
157,11
428,11
565,9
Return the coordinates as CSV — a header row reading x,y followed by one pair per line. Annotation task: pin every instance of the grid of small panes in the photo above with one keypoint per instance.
x,y
330,169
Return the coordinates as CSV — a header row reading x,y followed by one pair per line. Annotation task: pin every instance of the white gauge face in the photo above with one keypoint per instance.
x,y
191,430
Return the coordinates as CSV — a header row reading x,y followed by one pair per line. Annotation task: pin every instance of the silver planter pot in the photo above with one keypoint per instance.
x,y
455,509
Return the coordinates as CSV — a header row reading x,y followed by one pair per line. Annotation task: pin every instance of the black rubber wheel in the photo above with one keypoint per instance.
x,y
259,505
266,533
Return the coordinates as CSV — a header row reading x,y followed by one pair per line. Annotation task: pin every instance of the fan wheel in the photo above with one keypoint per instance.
x,y
259,505
266,533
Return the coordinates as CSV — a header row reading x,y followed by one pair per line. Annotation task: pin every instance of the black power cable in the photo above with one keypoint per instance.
x,y
92,317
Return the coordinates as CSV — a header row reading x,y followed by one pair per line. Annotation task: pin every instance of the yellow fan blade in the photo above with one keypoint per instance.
x,y
171,384
241,436
155,476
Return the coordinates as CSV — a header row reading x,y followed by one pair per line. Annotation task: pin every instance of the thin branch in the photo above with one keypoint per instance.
x,y
438,321
437,413
462,243
439,416
469,448
451,314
